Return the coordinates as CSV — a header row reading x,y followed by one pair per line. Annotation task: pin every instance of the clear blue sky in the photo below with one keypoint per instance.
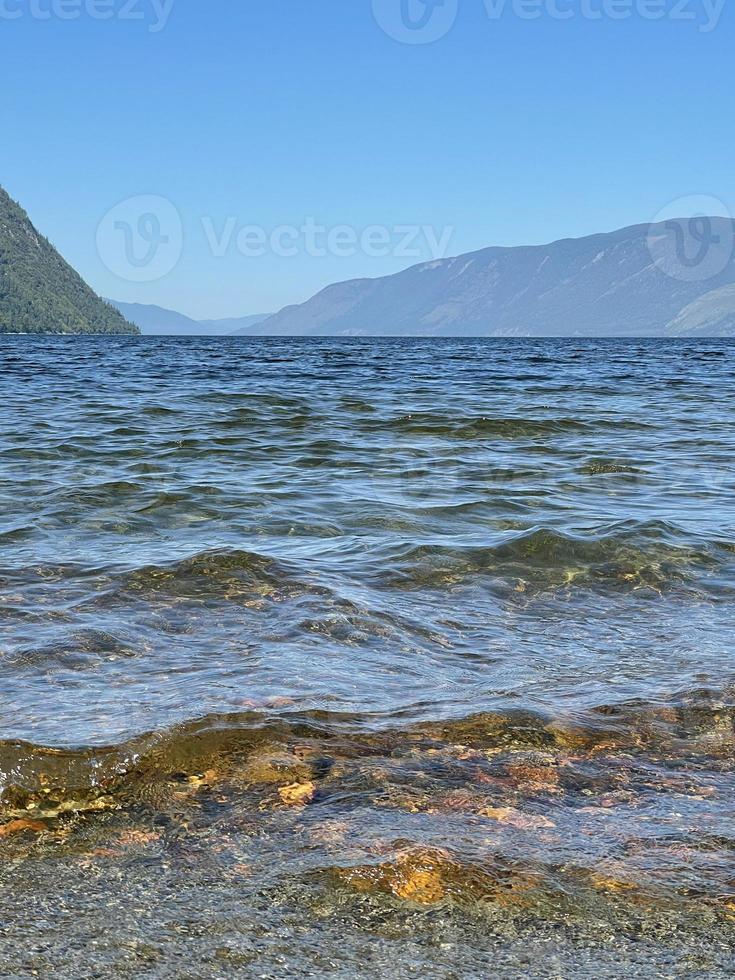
x,y
507,130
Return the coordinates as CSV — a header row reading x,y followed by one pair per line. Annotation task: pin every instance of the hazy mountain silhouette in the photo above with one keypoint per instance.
x,y
669,279
240,326
157,320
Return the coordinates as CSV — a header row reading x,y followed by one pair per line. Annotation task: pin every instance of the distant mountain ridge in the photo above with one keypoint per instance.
x,y
630,282
644,280
39,290
159,321
155,319
240,326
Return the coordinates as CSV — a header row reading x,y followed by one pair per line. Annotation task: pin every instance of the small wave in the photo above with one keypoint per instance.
x,y
223,575
599,467
12,535
82,649
627,554
506,427
692,724
468,427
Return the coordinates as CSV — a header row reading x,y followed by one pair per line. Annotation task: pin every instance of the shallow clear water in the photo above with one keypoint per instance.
x,y
473,597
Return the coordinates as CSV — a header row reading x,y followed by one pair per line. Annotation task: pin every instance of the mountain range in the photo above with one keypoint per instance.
x,y
669,279
39,290
157,320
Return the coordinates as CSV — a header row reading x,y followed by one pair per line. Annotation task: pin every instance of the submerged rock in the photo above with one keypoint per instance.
x,y
431,875
22,826
297,794
276,765
515,818
416,876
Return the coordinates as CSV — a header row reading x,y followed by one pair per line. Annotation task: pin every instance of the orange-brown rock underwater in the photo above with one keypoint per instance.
x,y
616,829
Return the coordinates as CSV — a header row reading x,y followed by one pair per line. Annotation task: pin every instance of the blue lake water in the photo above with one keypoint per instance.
x,y
475,595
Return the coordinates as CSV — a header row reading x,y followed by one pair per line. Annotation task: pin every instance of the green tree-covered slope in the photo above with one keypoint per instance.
x,y
39,291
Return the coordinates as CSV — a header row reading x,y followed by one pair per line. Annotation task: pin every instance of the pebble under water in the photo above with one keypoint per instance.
x,y
379,658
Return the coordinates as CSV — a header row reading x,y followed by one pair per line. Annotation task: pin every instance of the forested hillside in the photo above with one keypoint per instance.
x,y
39,290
